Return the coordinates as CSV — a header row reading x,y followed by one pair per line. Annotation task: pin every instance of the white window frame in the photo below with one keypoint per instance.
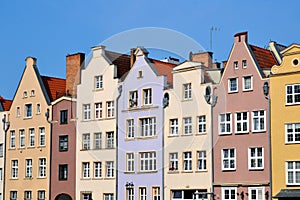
x,y
14,169
232,190
98,82
187,126
225,123
142,193
241,122
202,124
293,94
130,162
108,196
85,170
41,195
22,138
13,195
260,118
86,111
147,96
293,171
12,140
28,110
230,89
27,195
98,110
130,193
133,99
244,64
156,193
147,161
130,128
42,167
28,168
228,159
110,140
1,150
255,158
110,109
147,127
31,137
98,140
187,91
97,169
38,109
236,64
187,161
294,134
256,190
173,161
174,127
86,139
18,111
42,137
110,169
201,164
245,78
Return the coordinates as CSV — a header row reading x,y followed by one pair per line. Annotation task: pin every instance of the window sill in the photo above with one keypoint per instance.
x,y
228,170
98,89
199,134
256,169
41,177
129,172
147,172
147,137
173,172
248,90
225,133
172,136
259,131
86,179
184,135
27,118
232,92
139,108
201,171
186,100
31,147
109,178
187,172
291,143
241,133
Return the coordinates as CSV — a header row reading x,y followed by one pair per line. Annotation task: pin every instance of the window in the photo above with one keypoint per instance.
x,y
256,158
241,122
293,173
229,193
31,137
247,83
28,110
156,193
86,111
1,150
129,193
202,124
201,160
97,169
293,94
187,161
244,63
14,169
130,128
86,170
225,123
63,116
42,167
1,175
188,194
97,140
256,193
236,64
63,172
292,133
108,196
173,166
259,121
228,159
147,161
42,137
13,195
147,96
173,126
32,93
22,138
99,82
133,99
28,169
143,193
110,169
232,85
187,88
110,109
12,143
27,195
110,140
86,196
148,127
140,74
63,143
187,125
38,108
130,162
86,141
24,94
18,111
98,110
41,195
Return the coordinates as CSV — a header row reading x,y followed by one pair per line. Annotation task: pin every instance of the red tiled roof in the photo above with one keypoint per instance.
x,y
164,68
122,61
264,57
55,87
5,103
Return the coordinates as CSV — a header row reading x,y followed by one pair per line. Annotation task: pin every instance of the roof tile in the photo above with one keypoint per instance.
x,y
55,87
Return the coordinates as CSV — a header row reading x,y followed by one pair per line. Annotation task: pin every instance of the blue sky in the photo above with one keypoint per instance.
x,y
49,30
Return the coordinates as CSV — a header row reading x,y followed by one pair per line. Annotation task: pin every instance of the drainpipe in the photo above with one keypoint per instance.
x,y
117,137
6,125
47,116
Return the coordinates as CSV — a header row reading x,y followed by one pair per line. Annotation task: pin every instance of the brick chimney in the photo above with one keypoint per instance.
x,y
74,64
204,57
241,37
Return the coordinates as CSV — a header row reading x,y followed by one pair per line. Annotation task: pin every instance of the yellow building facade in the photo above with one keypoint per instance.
x,y
285,125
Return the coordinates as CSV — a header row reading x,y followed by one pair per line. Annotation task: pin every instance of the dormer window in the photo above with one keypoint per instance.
x,y
25,94
133,99
236,64
244,63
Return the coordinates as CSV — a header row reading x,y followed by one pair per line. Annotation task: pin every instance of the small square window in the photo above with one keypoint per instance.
x,y
247,83
232,85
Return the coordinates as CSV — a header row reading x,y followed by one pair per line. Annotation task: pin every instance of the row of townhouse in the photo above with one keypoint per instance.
x,y
131,127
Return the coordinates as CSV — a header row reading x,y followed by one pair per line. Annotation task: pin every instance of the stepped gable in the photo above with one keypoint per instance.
x,y
55,87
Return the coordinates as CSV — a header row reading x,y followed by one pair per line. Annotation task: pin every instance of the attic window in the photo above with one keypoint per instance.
x,y
244,63
24,94
140,74
32,93
236,64
295,62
